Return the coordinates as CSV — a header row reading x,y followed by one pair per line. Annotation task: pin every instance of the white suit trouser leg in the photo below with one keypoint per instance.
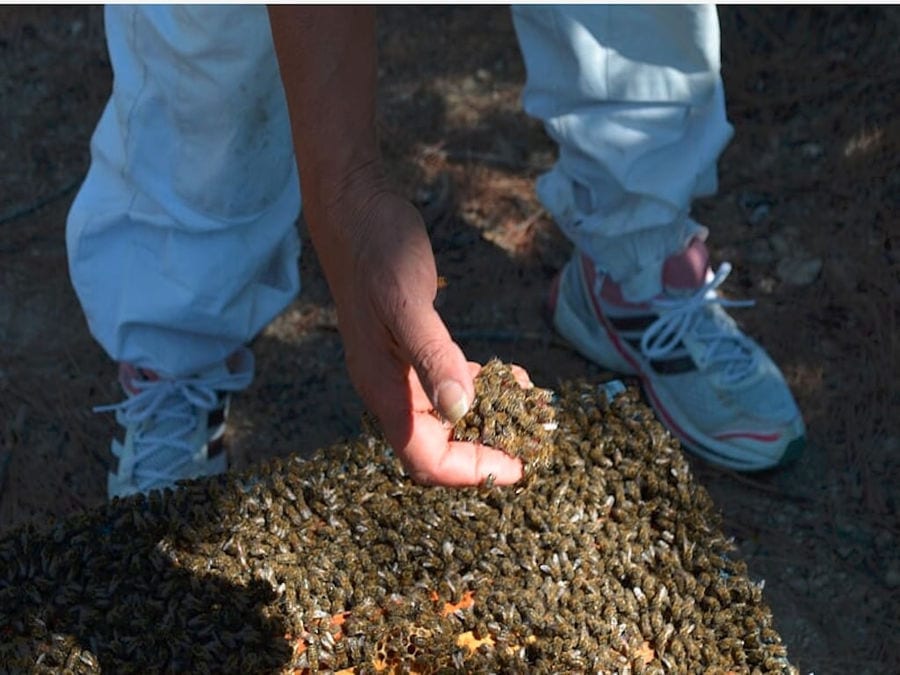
x,y
634,99
181,241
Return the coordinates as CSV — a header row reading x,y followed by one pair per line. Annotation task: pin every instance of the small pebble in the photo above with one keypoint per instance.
x,y
892,575
799,271
812,150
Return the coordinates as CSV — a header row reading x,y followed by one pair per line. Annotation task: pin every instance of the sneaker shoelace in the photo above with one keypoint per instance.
x,y
175,405
725,346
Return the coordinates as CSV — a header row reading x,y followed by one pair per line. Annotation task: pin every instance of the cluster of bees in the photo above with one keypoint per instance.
x,y
608,559
520,421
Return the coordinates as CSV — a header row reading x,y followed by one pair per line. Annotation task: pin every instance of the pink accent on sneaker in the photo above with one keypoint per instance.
x,y
687,270
765,438
128,374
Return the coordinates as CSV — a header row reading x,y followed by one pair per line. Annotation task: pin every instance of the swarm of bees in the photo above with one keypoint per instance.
x,y
608,559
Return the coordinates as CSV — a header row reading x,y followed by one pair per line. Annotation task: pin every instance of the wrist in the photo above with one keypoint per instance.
x,y
337,202
341,210
338,188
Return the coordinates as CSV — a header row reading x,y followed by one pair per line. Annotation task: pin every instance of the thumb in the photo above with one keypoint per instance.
x,y
438,361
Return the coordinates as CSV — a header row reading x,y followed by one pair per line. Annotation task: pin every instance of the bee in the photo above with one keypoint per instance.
x,y
469,435
710,653
628,605
485,406
639,596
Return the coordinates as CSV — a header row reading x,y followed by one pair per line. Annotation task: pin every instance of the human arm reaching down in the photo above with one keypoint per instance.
x,y
374,249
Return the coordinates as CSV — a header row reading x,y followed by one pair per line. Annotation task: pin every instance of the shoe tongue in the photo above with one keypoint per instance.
x,y
684,273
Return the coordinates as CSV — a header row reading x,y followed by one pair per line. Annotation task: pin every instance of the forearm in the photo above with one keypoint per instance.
x,y
327,57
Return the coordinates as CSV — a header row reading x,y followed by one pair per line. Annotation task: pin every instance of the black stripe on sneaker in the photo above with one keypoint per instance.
x,y
632,323
216,418
215,447
682,364
673,366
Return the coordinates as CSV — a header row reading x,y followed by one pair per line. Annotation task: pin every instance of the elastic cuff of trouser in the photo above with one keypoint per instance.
x,y
635,260
643,285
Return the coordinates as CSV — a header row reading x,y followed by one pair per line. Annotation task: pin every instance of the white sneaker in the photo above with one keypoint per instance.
x,y
711,385
174,428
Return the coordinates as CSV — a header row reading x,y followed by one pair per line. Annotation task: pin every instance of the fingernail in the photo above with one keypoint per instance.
x,y
451,401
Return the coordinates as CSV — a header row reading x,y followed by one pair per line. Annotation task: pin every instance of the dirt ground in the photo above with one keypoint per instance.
x,y
807,212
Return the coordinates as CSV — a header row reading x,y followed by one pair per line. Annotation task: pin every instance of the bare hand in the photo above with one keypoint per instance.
x,y
400,355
